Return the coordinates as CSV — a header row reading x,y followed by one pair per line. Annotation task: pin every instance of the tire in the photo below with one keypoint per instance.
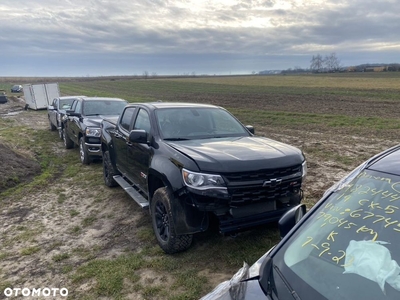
x,y
52,127
163,225
68,143
108,170
83,154
61,134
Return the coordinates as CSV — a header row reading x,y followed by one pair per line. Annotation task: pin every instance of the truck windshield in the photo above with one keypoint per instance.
x,y
349,247
194,123
66,103
101,107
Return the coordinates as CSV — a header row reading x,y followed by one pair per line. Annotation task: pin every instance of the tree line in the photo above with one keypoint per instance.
x,y
329,63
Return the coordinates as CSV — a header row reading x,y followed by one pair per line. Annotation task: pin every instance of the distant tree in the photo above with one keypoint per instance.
x,y
154,74
317,63
145,74
194,74
332,62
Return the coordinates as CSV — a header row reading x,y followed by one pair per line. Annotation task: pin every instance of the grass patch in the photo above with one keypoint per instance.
x,y
4,255
61,198
89,221
4,285
30,250
60,257
379,86
110,274
28,234
73,213
75,229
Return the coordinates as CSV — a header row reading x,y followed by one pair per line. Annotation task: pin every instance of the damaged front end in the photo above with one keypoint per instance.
x,y
244,200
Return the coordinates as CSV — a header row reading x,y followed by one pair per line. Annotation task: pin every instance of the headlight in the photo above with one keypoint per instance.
x,y
90,131
304,169
202,181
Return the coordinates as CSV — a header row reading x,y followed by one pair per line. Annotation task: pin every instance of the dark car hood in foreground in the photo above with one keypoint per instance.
x,y
238,154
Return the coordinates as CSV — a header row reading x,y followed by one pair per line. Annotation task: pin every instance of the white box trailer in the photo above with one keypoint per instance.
x,y
40,96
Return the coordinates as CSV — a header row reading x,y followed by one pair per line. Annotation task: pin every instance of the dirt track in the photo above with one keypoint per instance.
x,y
112,225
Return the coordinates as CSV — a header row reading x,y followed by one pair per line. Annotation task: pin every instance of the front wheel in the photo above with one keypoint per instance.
x,y
60,133
108,170
52,127
68,143
84,156
163,224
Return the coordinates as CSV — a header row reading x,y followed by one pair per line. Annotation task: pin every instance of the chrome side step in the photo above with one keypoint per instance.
x,y
135,195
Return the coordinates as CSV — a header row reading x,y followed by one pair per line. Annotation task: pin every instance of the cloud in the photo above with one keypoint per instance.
x,y
252,29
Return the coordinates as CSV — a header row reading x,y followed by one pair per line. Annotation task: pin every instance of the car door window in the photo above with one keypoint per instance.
x,y
127,117
78,107
142,121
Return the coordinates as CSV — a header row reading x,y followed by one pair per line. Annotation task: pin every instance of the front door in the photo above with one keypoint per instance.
x,y
121,139
139,154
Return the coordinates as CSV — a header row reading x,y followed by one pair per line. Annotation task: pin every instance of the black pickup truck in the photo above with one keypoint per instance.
x,y
81,124
187,162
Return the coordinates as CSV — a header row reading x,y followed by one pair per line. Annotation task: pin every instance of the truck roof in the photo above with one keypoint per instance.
x,y
173,105
103,99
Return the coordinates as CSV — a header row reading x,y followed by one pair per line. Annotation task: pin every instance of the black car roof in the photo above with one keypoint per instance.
x,y
155,105
387,162
70,97
102,99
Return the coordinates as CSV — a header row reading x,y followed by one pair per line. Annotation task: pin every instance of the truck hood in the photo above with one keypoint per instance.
x,y
238,154
95,121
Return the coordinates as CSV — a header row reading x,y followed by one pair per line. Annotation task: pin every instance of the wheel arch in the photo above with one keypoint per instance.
x,y
187,218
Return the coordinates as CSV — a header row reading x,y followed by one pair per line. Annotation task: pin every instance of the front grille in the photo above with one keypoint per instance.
x,y
93,140
260,175
248,195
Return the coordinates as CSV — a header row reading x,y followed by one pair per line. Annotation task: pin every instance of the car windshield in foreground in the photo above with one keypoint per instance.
x,y
349,248
101,107
197,123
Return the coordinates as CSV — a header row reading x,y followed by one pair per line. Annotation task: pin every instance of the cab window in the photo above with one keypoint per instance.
x,y
142,121
127,117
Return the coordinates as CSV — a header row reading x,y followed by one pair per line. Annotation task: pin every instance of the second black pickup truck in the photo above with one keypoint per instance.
x,y
187,161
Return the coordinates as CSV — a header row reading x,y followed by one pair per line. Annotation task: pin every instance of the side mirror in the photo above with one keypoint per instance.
x,y
250,128
291,218
50,107
72,113
138,136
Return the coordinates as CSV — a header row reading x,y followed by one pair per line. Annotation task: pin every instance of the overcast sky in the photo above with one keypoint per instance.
x,y
129,37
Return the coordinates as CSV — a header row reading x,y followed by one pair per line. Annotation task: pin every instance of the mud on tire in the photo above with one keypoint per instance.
x,y
68,143
52,127
108,170
163,225
83,153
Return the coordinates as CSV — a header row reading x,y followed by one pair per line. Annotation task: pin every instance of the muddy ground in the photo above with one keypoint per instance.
x,y
110,226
